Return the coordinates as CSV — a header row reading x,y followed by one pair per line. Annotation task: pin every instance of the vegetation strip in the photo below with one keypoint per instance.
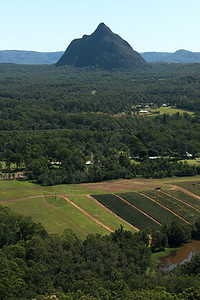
x,y
139,210
164,207
86,213
110,211
180,200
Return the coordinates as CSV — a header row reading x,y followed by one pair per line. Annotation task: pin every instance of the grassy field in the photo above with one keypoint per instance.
x,y
169,110
56,214
127,212
151,208
20,189
191,162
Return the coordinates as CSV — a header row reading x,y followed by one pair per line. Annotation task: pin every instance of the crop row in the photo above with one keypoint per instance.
x,y
150,207
185,197
126,212
180,208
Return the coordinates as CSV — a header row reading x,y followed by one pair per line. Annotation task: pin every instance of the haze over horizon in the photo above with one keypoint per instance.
x,y
50,26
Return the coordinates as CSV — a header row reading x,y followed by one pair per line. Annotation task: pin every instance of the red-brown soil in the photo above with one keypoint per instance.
x,y
123,185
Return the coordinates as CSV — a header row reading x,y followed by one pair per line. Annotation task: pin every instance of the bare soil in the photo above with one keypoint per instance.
x,y
124,185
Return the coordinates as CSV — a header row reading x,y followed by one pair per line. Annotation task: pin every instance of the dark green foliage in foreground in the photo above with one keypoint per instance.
x,y
34,264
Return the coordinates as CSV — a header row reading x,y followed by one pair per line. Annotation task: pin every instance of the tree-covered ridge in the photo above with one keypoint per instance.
x,y
36,265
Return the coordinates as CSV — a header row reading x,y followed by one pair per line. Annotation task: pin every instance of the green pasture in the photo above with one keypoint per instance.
x,y
127,212
153,209
99,212
56,214
39,212
169,110
13,189
178,181
182,209
191,162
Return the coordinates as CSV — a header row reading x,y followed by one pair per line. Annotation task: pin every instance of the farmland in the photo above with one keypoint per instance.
x,y
134,204
150,207
130,214
185,212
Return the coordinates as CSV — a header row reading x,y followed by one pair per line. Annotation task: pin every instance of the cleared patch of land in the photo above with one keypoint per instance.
x,y
191,162
124,185
169,110
84,214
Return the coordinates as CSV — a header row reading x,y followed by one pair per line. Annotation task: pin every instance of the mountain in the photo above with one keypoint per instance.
x,y
29,57
102,48
180,56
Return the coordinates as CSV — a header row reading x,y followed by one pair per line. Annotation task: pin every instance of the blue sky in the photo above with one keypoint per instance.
x,y
148,25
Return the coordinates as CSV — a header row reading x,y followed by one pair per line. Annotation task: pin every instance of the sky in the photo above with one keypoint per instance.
x,y
147,25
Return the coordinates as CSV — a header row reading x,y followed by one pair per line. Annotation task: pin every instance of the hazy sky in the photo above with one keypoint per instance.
x,y
148,25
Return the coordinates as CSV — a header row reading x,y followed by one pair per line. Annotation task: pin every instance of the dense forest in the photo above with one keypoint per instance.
x,y
36,265
55,119
109,144
41,97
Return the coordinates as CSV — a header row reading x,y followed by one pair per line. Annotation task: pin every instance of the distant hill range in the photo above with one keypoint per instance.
x,y
102,48
33,57
180,56
29,57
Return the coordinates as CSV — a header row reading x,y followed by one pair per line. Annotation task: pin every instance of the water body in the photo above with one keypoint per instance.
x,y
183,254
